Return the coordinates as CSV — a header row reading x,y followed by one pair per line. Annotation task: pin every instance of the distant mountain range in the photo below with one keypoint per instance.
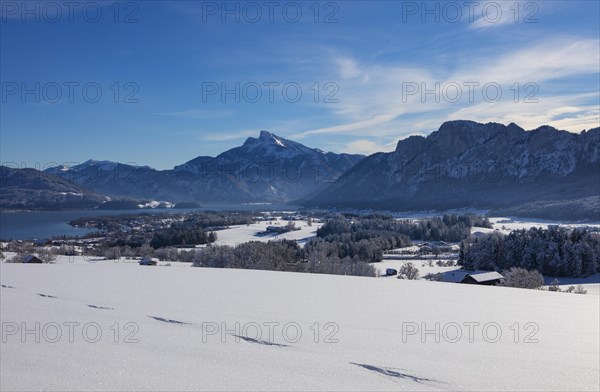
x,y
33,189
468,164
264,169
464,164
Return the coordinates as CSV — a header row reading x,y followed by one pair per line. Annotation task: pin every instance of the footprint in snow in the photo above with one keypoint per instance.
x,y
259,341
46,295
100,307
390,372
164,320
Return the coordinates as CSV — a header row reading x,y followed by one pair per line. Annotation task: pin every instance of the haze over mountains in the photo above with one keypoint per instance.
x,y
462,165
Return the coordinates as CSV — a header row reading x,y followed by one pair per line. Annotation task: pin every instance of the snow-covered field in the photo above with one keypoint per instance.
x,y
503,224
455,274
591,283
243,233
422,266
162,328
506,225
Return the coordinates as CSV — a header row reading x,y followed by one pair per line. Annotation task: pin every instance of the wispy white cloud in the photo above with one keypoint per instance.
x,y
552,59
372,101
227,136
348,68
562,112
367,147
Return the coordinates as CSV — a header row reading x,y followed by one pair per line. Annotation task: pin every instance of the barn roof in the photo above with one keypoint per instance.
x,y
486,276
30,258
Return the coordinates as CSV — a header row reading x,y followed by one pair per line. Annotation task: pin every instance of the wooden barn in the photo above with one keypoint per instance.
x,y
31,259
483,278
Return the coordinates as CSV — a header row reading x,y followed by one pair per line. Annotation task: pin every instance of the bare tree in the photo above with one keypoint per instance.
x,y
522,278
46,255
408,271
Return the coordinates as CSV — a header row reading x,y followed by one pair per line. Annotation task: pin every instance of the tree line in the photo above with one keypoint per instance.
x,y
367,237
345,245
555,251
197,229
283,255
448,227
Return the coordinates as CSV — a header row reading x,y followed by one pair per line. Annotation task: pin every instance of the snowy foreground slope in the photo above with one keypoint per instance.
x,y
177,314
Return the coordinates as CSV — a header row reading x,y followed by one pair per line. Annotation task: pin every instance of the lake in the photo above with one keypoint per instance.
x,y
48,224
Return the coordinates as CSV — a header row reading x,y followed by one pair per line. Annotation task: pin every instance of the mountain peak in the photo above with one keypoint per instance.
x,y
545,128
267,137
453,124
471,132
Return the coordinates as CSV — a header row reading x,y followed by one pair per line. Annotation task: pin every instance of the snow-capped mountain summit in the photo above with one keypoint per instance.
x,y
269,168
268,137
274,147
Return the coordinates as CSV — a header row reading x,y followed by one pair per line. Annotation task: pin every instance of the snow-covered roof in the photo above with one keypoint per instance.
x,y
31,259
486,276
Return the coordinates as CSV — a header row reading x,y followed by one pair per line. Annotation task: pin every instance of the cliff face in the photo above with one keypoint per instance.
x,y
467,164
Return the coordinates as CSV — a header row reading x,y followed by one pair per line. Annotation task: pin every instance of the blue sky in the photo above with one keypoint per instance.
x,y
168,66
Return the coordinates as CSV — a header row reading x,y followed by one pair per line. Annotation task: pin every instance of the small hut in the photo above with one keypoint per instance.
x,y
391,271
147,261
484,278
